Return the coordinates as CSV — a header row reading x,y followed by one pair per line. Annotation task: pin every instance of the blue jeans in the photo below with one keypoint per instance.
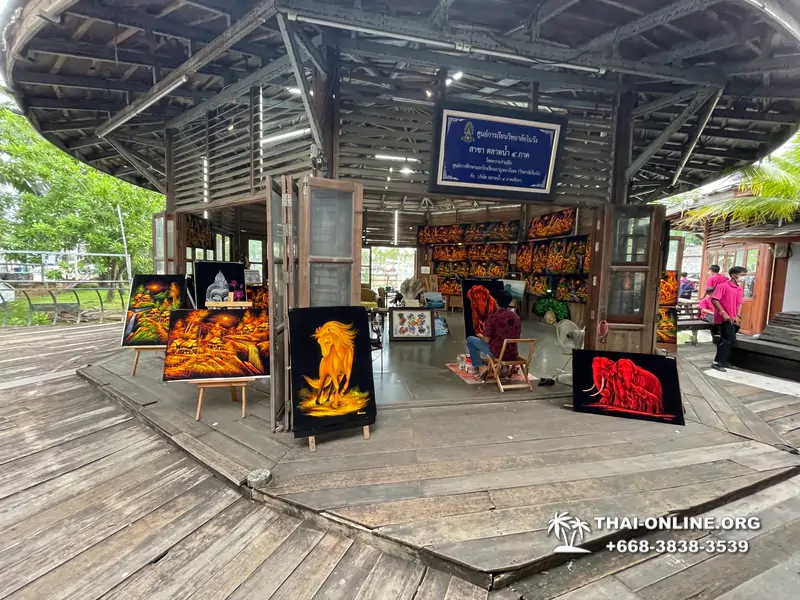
x,y
476,346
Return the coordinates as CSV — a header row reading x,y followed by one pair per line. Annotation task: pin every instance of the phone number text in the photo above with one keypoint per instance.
x,y
679,546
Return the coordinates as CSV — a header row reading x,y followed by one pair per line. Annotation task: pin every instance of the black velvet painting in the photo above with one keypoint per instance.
x,y
479,302
332,386
624,384
213,280
152,299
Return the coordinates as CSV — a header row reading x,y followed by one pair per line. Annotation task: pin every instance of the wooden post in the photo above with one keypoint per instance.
x,y
135,363
623,146
170,168
441,86
533,102
199,404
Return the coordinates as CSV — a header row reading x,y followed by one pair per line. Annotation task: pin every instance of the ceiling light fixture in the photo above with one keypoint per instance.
x,y
289,135
458,75
428,93
293,90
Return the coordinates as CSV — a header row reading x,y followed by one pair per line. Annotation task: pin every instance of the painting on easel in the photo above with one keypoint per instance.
x,y
213,280
152,299
217,344
479,302
332,385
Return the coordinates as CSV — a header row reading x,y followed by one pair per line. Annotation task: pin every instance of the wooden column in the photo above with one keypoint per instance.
x,y
441,86
623,146
533,102
170,169
326,101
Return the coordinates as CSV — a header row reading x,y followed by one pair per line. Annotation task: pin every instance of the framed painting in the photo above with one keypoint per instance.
x,y
478,296
332,385
213,280
199,233
668,291
449,286
525,258
515,287
206,345
450,253
411,324
259,297
555,224
667,330
624,384
152,299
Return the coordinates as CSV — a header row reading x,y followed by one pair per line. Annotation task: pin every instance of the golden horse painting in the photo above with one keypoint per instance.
x,y
332,385
330,393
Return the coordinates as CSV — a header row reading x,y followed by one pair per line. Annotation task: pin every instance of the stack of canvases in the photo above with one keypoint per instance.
x,y
667,330
331,357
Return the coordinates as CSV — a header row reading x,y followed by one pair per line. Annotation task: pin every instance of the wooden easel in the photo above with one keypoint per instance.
x,y
218,383
312,440
139,350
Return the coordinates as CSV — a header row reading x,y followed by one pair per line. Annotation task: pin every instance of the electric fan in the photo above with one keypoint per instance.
x,y
570,336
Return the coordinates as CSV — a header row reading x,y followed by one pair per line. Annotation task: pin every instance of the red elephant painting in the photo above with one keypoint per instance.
x,y
623,384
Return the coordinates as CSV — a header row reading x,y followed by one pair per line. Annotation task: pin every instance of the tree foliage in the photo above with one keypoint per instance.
x,y
50,201
775,184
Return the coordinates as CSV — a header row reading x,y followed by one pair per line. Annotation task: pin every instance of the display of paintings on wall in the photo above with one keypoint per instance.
x,y
451,269
515,287
492,232
488,252
667,330
572,289
152,299
416,324
450,253
668,291
449,286
539,262
479,302
213,280
525,258
258,296
574,256
198,233
555,257
332,385
555,224
440,234
539,285
488,269
623,384
217,344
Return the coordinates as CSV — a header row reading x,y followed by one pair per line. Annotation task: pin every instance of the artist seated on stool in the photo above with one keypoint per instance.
x,y
501,325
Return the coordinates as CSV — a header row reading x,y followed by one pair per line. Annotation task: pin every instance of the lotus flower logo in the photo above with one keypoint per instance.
x,y
568,530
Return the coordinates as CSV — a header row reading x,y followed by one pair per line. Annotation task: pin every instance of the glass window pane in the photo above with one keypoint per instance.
x,y
159,241
189,268
631,239
627,297
731,259
199,254
170,239
672,257
209,255
218,240
749,285
227,247
330,284
740,259
159,267
188,254
171,267
365,275
331,223
255,252
752,260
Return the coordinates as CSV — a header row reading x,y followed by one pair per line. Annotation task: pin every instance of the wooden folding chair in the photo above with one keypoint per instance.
x,y
496,364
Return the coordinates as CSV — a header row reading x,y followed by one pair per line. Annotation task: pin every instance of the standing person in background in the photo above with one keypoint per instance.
x,y
727,299
715,277
687,287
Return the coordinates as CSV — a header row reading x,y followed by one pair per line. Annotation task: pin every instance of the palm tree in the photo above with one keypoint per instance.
x,y
578,529
775,184
559,524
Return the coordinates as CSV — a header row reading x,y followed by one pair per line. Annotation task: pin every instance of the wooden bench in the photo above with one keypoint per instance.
x,y
693,325
776,352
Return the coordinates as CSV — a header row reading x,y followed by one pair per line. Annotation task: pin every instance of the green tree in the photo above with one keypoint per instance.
x,y
775,184
50,201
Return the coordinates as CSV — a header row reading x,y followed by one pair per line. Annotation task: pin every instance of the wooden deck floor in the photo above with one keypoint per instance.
x,y
94,504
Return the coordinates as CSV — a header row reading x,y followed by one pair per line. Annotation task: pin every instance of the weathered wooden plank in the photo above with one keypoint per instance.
x,y
606,589
246,458
786,424
392,577
307,579
705,413
786,410
403,511
356,495
107,564
225,581
196,559
777,583
276,569
345,463
230,470
434,585
463,590
771,460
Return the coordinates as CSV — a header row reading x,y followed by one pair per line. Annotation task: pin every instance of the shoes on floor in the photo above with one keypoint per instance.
x,y
718,367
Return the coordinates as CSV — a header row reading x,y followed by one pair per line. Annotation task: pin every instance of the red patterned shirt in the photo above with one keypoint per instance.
x,y
503,324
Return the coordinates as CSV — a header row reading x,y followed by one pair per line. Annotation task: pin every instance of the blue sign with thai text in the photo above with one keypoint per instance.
x,y
482,152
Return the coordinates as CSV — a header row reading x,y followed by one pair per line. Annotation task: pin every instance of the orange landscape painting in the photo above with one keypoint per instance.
x,y
217,344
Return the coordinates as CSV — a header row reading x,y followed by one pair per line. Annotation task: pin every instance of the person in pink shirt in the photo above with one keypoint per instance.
x,y
706,307
727,300
715,277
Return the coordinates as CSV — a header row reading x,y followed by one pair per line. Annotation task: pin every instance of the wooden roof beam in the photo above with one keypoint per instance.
x,y
666,101
682,52
694,137
253,19
664,136
137,164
